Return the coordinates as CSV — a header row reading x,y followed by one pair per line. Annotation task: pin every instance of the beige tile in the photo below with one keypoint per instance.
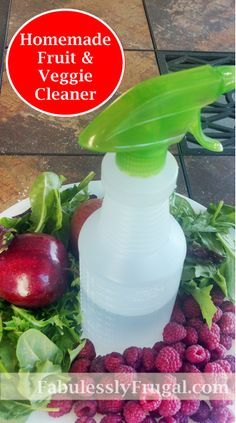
x,y
205,25
126,17
25,130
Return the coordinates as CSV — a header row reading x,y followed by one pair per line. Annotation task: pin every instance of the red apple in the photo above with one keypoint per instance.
x,y
80,215
33,271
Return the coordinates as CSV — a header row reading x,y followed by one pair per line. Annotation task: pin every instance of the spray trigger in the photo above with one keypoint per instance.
x,y
196,130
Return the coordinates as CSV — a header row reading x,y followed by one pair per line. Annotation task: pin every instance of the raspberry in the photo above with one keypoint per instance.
x,y
88,351
157,347
227,306
150,401
231,417
110,406
170,407
225,365
169,380
210,337
191,308
150,405
126,373
217,316
213,368
202,413
148,359
85,419
64,406
180,348
220,403
195,323
191,337
195,354
173,332
168,360
85,408
167,420
180,418
207,359
97,365
123,368
111,419
219,415
112,360
189,368
82,365
132,356
177,315
217,296
231,361
218,353
227,323
133,412
189,407
107,379
226,341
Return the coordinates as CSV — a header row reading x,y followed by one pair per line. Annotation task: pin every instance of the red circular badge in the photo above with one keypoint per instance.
x,y
65,62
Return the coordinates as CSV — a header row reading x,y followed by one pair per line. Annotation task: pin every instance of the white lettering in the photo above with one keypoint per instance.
x,y
44,76
70,40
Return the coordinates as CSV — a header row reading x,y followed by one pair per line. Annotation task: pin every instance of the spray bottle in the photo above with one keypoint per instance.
x,y
132,250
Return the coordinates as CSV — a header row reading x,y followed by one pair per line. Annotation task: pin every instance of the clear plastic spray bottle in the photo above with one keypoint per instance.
x,y
132,250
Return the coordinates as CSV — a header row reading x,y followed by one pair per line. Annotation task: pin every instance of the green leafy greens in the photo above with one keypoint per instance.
x,y
210,253
51,209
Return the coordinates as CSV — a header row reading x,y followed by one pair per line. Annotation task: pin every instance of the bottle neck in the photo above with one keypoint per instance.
x,y
144,163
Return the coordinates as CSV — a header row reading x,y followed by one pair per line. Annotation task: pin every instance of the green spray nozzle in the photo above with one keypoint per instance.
x,y
143,122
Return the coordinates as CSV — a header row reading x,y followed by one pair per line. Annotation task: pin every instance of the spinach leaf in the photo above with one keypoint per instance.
x,y
34,347
45,203
15,411
29,382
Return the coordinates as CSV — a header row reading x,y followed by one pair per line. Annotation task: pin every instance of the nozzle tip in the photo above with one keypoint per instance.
x,y
228,77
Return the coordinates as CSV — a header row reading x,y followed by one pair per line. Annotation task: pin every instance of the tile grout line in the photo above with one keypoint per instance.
x,y
11,154
149,25
4,40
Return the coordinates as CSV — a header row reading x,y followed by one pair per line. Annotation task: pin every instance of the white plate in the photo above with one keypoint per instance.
x,y
95,187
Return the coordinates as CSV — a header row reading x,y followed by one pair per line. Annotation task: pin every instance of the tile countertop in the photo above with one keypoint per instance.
x,y
31,142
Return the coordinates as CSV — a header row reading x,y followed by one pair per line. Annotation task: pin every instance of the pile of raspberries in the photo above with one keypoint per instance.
x,y
188,346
